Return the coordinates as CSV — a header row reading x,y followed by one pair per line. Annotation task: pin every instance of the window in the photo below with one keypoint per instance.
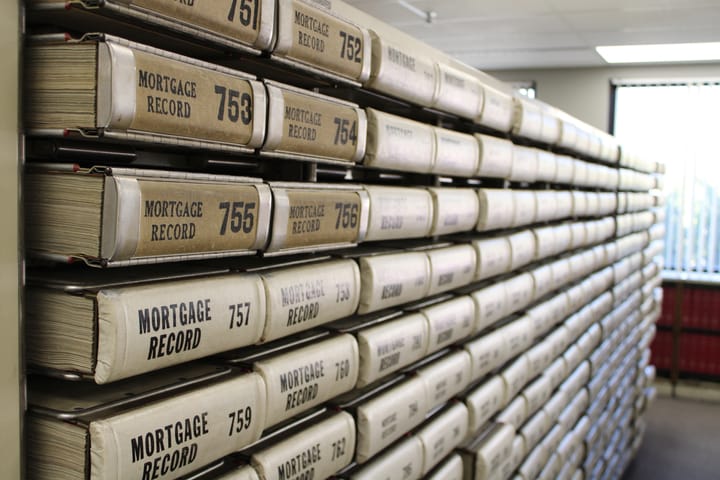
x,y
678,123
527,88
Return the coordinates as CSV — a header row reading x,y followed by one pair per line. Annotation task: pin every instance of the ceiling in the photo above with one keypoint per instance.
x,y
509,34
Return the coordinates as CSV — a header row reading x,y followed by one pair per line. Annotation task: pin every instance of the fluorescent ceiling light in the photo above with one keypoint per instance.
x,y
670,52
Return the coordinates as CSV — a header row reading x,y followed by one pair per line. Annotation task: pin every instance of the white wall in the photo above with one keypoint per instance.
x,y
585,92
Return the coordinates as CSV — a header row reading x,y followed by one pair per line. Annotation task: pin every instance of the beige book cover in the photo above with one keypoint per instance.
x,y
450,469
451,267
393,279
398,143
120,216
456,210
497,110
121,331
483,401
459,93
316,216
306,125
446,377
104,86
398,70
442,434
449,322
164,438
399,212
305,377
457,154
402,461
312,35
315,451
486,454
495,156
245,25
391,345
303,297
389,416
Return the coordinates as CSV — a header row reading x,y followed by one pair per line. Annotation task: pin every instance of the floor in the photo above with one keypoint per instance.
x,y
682,440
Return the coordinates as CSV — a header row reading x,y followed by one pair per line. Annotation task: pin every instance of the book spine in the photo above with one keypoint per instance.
x,y
311,125
487,352
310,217
389,280
149,91
145,217
318,451
398,71
308,376
494,256
446,377
495,156
483,401
149,327
316,37
451,267
458,92
389,416
497,209
399,212
451,468
303,297
402,461
247,22
449,322
494,450
397,143
390,346
242,473
497,110
175,436
491,305
442,434
456,210
458,154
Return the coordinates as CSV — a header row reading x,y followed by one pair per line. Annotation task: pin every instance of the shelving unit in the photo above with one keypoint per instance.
x,y
311,171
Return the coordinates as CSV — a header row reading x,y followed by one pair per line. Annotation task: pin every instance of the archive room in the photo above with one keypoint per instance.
x,y
360,240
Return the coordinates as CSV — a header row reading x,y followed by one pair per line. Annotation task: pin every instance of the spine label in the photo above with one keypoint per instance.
x,y
319,127
458,154
325,41
304,297
449,322
397,212
398,143
315,452
178,435
318,217
176,98
445,432
389,416
237,19
154,326
399,72
484,401
446,377
451,267
388,347
456,210
308,376
180,218
389,280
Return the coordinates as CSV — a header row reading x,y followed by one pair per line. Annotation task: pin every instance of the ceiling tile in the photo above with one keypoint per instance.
x,y
527,33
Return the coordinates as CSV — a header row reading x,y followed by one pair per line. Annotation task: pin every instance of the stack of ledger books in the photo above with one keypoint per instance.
x,y
279,239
